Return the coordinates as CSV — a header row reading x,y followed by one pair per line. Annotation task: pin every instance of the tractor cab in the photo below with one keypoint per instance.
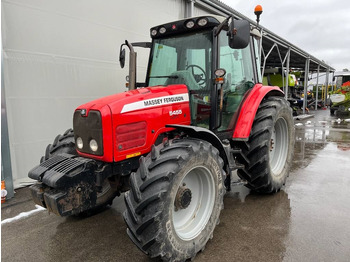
x,y
215,59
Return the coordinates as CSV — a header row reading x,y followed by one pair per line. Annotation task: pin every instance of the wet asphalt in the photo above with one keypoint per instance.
x,y
308,220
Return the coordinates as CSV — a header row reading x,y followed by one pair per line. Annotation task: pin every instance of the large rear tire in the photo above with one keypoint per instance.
x,y
65,144
175,199
268,153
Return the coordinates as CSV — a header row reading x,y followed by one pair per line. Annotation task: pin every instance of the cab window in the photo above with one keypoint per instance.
x,y
239,78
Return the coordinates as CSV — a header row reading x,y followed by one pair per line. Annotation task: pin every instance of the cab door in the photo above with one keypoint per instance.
x,y
240,77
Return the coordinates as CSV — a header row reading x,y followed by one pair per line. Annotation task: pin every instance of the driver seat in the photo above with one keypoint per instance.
x,y
183,77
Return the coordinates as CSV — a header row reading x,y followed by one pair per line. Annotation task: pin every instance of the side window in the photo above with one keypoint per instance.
x,y
237,63
197,65
239,78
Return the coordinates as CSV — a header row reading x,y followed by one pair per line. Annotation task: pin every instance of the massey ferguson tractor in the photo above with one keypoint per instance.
x,y
172,142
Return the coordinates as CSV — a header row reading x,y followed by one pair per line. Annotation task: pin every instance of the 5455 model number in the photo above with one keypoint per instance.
x,y
175,112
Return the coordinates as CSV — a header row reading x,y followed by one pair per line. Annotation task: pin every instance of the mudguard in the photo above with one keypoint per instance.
x,y
204,134
249,107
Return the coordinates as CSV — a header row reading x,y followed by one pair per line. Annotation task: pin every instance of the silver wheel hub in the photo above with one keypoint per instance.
x,y
278,146
183,198
194,203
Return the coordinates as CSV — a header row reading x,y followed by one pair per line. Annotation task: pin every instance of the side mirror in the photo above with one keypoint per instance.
x,y
122,56
238,34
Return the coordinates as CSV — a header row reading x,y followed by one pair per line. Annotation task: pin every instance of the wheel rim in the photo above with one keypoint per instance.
x,y
279,146
191,220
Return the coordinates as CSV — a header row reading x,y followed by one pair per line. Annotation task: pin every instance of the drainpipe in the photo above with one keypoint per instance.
x,y
189,7
6,169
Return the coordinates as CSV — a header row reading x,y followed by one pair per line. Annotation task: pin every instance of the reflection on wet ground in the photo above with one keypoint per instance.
x,y
318,189
319,194
253,230
308,220
313,135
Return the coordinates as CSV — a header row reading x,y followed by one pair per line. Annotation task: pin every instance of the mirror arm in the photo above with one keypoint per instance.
x,y
232,31
142,44
132,61
221,26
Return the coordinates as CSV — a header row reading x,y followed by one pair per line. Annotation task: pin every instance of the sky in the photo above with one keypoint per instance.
x,y
319,27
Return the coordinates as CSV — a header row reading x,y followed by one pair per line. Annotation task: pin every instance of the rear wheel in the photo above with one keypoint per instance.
x,y
175,199
65,144
268,153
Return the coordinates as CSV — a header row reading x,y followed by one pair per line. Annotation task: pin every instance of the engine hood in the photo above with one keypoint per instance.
x,y
139,99
127,116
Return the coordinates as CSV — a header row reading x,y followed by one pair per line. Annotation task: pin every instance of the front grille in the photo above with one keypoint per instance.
x,y
88,127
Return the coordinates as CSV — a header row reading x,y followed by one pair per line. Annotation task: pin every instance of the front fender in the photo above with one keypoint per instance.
x,y
250,106
207,135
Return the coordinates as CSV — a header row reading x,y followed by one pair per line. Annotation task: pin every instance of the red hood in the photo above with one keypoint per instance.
x,y
133,100
152,108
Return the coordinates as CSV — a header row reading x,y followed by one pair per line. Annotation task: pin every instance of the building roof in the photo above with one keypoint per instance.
x,y
273,45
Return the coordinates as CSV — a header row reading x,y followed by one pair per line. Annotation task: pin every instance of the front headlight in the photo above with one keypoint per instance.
x,y
93,145
80,143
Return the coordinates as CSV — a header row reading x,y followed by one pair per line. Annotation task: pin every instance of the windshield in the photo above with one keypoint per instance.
x,y
185,59
182,59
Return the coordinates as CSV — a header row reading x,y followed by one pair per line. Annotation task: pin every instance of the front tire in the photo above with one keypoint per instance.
x,y
62,144
268,153
175,199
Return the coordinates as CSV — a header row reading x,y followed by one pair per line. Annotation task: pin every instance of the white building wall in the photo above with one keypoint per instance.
x,y
59,54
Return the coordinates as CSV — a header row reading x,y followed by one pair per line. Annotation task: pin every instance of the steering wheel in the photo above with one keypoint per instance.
x,y
200,78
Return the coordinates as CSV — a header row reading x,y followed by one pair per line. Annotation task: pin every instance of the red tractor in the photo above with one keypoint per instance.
x,y
172,142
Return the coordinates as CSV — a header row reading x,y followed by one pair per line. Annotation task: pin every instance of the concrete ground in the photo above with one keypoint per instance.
x,y
308,220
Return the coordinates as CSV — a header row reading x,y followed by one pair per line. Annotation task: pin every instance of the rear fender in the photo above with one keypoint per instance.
x,y
249,108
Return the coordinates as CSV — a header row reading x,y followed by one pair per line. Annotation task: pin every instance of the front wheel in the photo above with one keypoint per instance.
x,y
268,153
175,199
